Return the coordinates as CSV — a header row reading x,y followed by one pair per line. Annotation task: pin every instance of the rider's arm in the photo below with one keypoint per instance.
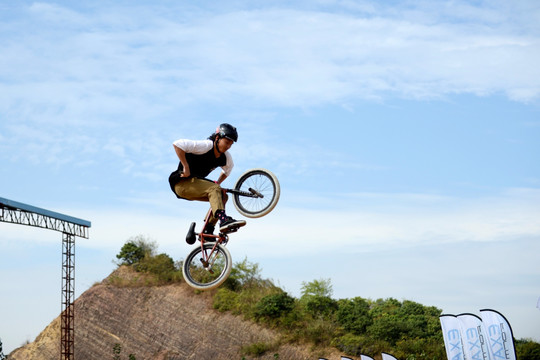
x,y
221,178
226,169
182,156
183,146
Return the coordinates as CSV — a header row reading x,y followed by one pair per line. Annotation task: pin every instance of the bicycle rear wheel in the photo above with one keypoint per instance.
x,y
205,275
265,184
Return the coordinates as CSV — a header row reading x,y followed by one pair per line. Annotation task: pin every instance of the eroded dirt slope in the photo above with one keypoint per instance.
x,y
160,322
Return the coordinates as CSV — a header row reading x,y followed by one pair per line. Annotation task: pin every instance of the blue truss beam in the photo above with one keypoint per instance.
x,y
24,214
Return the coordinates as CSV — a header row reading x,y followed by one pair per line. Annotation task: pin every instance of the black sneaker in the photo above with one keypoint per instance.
x,y
209,229
228,224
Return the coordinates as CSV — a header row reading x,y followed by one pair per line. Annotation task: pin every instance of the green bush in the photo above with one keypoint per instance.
x,y
244,274
527,350
139,253
257,349
356,345
420,348
320,332
390,328
395,321
161,265
319,306
353,315
225,300
117,350
275,305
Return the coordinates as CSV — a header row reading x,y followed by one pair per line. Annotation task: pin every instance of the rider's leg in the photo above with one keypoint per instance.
x,y
201,190
205,190
226,223
212,220
217,200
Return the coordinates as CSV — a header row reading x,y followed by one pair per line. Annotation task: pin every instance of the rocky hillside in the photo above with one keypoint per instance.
x,y
158,322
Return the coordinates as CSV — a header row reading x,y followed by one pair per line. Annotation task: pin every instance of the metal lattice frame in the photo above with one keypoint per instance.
x,y
17,213
67,318
17,216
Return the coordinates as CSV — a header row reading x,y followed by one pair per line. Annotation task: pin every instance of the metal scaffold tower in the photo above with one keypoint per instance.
x,y
23,214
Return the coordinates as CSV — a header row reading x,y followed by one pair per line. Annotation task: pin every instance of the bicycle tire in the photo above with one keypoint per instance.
x,y
199,277
264,182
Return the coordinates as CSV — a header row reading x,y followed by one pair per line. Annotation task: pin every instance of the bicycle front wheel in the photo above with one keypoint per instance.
x,y
207,267
261,182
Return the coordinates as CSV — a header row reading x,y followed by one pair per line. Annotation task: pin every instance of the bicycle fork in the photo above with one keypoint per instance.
x,y
208,260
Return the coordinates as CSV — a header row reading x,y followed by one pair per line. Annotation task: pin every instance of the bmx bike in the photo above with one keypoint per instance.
x,y
255,194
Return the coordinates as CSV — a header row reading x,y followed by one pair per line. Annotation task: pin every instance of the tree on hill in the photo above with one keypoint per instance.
x,y
135,249
316,298
139,252
321,287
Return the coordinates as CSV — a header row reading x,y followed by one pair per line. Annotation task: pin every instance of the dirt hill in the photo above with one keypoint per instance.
x,y
157,323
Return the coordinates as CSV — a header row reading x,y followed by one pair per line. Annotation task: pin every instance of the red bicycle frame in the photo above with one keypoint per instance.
x,y
216,239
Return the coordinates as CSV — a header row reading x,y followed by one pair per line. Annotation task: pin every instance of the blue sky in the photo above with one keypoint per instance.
x,y
405,135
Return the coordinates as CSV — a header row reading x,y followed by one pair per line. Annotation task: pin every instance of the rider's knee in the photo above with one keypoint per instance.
x,y
214,191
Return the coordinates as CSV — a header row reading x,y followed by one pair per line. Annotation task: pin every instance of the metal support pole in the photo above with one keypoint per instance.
x,y
24,214
67,336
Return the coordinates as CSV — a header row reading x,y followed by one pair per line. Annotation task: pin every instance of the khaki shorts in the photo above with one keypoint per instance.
x,y
202,190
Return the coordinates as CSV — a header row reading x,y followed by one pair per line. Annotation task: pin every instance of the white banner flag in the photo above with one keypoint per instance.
x,y
473,337
499,335
386,356
365,357
451,329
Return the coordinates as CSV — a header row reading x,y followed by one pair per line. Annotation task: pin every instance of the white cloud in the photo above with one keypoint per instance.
x,y
368,222
374,222
285,56
363,222
100,74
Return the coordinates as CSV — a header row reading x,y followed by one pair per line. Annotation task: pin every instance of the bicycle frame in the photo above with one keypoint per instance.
x,y
220,239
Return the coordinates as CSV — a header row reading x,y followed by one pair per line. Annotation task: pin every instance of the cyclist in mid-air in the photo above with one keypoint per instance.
x,y
198,158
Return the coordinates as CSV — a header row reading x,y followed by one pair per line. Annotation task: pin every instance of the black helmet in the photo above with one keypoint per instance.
x,y
227,131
